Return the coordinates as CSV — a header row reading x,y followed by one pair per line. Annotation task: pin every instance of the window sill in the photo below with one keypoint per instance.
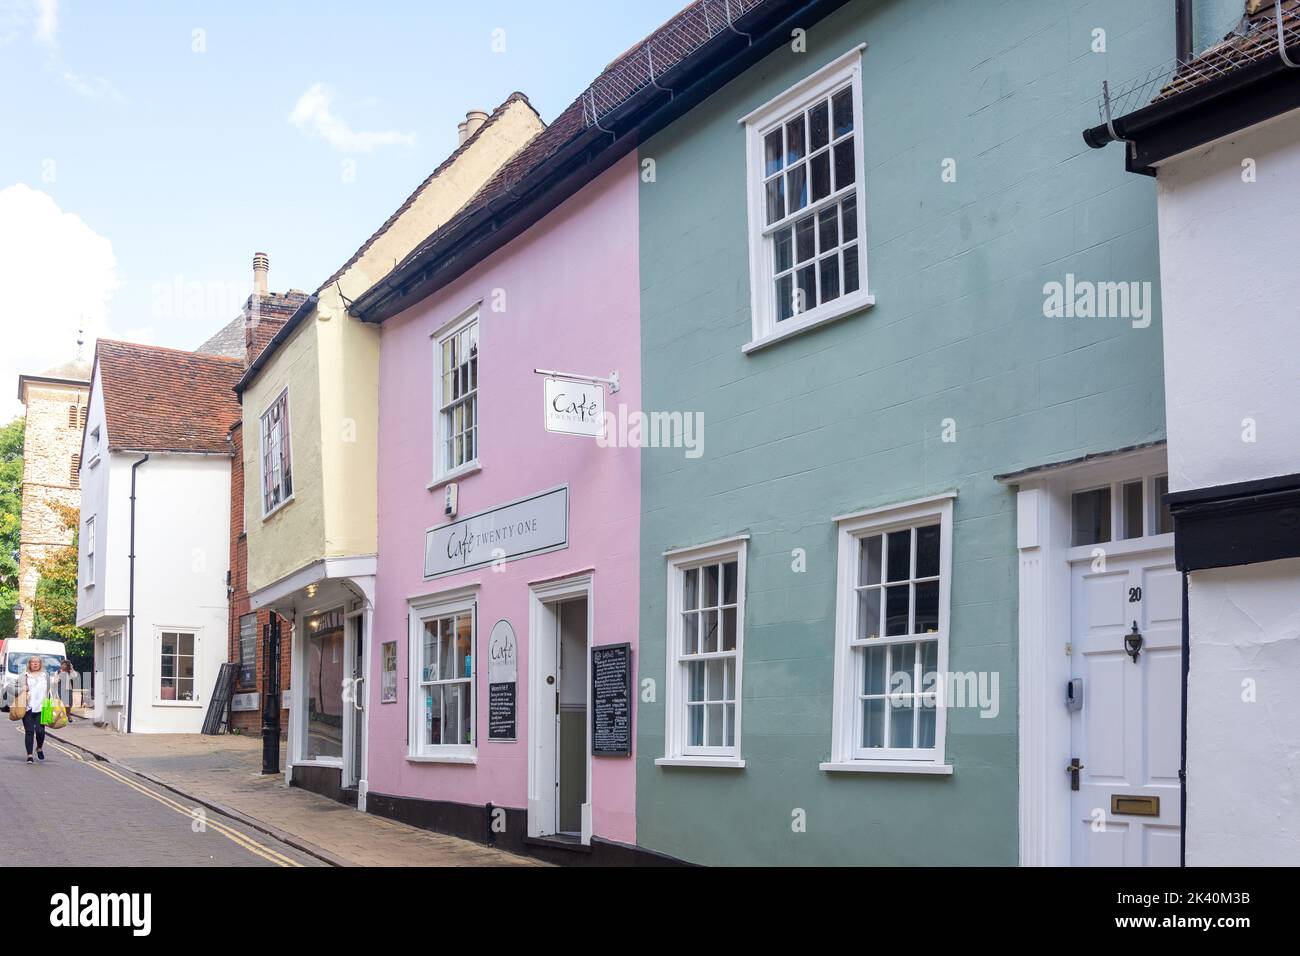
x,y
716,763
791,327
278,508
454,475
178,703
886,766
467,759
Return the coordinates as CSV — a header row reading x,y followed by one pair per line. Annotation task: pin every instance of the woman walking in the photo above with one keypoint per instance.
x,y
67,677
36,684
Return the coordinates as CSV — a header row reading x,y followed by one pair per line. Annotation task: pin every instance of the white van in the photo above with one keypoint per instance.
x,y
15,653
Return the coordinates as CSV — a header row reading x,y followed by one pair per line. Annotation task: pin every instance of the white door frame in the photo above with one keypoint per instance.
x,y
362,615
540,595
1043,540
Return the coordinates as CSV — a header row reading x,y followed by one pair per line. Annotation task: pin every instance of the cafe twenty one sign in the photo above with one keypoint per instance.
x,y
519,529
574,408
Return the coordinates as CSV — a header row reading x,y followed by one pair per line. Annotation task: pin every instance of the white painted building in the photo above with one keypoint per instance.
x,y
1224,144
155,532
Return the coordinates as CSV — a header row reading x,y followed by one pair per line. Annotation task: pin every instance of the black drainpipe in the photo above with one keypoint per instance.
x,y
1183,29
130,613
1182,767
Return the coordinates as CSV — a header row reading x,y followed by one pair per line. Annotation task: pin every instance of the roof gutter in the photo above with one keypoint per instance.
x,y
585,156
1219,108
280,337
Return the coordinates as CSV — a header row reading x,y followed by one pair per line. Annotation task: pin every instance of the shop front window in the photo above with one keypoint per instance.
x,y
325,686
442,659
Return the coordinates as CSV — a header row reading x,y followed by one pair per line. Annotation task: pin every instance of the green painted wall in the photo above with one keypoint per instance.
x,y
849,416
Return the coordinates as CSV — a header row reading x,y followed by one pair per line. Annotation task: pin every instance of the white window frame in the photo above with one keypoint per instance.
x,y
1151,509
846,755
113,671
90,552
421,611
442,471
766,330
676,751
196,634
264,436
94,448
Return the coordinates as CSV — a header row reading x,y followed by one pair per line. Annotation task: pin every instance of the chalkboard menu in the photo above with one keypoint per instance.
x,y
501,711
611,700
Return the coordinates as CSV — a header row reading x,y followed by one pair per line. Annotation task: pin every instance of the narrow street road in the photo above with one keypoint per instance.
x,y
70,810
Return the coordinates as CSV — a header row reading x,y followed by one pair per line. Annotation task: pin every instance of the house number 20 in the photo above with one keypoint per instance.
x,y
1134,595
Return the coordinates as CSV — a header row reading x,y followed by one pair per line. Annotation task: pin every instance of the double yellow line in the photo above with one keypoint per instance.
x,y
252,846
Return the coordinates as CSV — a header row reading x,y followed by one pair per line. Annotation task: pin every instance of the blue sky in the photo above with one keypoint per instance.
x,y
142,163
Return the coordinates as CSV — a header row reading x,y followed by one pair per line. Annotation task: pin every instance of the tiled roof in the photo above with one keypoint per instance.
x,y
166,400
1254,42
496,114
76,370
229,340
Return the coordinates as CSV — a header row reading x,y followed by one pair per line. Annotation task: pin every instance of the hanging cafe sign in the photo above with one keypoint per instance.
x,y
575,404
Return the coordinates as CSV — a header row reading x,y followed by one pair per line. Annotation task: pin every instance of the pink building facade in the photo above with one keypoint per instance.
x,y
508,553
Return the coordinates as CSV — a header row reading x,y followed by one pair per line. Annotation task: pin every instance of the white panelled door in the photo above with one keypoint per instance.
x,y
1126,810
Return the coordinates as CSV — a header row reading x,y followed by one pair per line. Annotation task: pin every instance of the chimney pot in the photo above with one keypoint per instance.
x,y
473,120
460,131
261,265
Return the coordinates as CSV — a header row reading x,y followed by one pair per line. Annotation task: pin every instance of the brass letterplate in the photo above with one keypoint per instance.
x,y
1134,806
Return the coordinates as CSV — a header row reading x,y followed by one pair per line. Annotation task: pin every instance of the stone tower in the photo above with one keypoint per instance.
x,y
55,403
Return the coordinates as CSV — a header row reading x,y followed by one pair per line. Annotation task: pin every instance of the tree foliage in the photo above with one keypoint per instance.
x,y
11,507
56,592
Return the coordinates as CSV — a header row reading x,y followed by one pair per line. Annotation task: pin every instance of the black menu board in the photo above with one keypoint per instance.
x,y
611,700
501,711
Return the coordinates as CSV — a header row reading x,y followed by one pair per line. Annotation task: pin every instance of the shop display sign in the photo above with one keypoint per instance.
x,y
388,680
574,408
507,532
503,682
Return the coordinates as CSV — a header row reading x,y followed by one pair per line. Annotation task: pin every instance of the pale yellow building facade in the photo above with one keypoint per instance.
x,y
312,538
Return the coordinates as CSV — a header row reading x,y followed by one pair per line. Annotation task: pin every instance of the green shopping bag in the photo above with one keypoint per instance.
x,y
47,711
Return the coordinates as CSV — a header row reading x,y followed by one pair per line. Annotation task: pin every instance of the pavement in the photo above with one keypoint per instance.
x,y
223,775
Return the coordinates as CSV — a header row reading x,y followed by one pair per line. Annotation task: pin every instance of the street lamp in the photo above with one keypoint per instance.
x,y
18,613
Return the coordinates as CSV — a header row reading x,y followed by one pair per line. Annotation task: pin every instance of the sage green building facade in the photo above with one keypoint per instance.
x,y
979,193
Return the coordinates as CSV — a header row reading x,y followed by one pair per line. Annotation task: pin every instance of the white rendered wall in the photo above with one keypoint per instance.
x,y
182,555
1231,306
1243,721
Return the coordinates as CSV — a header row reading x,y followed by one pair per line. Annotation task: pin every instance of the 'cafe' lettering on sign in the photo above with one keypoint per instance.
x,y
574,408
516,530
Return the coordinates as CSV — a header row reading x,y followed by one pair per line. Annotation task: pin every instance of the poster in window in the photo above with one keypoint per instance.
x,y
388,681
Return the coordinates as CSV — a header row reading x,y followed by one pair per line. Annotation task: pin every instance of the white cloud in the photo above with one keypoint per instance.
x,y
47,22
43,16
58,276
95,87
314,113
